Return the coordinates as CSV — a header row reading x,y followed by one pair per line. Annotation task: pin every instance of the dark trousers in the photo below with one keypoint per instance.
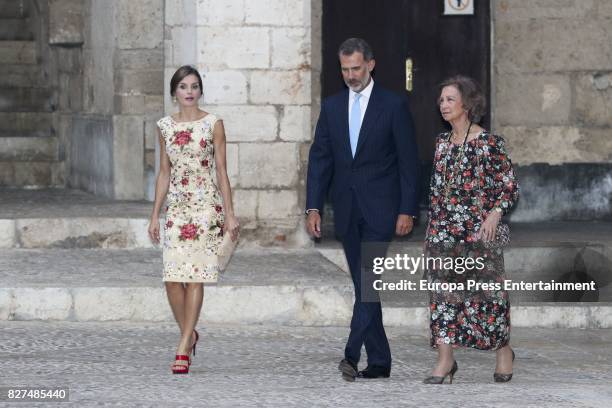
x,y
366,323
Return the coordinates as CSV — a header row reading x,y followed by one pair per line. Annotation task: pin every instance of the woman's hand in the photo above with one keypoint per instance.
x,y
232,226
154,230
488,229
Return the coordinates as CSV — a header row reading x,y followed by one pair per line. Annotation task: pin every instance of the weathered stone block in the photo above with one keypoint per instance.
x,y
222,13
593,94
248,123
180,12
225,87
35,174
71,232
236,304
7,233
69,59
231,159
234,47
140,23
154,105
532,99
129,104
18,52
245,203
6,303
604,8
280,87
557,145
268,165
291,48
30,123
151,135
278,12
140,59
508,10
140,82
66,22
184,48
278,204
546,45
296,124
7,174
41,303
128,157
29,148
113,304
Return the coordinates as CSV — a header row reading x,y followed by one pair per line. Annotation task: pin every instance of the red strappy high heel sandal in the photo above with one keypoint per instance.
x,y
181,368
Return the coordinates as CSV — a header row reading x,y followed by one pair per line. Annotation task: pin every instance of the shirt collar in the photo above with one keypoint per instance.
x,y
366,92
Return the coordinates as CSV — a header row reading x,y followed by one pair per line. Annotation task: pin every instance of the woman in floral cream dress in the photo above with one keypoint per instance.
x,y
472,186
198,214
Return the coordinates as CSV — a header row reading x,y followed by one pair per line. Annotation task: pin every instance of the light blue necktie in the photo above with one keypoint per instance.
x,y
355,123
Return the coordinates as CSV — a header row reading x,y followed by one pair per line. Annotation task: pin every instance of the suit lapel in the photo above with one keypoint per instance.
x,y
373,110
344,120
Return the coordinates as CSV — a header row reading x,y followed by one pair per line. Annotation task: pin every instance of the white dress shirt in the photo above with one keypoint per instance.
x,y
363,101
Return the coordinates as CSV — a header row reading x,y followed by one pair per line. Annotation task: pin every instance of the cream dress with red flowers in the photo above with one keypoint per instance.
x,y
193,230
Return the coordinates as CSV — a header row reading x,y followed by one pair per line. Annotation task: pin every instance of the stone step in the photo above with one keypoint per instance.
x,y
261,286
30,175
22,75
15,29
27,100
26,124
18,52
14,8
29,149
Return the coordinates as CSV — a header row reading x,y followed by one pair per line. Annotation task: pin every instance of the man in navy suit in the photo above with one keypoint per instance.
x,y
364,147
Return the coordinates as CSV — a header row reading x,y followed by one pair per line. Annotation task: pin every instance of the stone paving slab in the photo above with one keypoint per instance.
x,y
127,365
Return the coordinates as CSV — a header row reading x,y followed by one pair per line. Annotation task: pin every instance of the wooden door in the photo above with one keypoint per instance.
x,y
439,46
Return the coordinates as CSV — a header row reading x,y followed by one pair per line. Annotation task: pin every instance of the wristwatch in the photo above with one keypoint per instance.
x,y
311,209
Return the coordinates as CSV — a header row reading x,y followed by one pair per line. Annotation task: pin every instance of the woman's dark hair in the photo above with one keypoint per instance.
x,y
473,97
180,74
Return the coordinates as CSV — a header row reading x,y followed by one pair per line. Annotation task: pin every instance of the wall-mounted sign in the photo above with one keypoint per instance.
x,y
458,7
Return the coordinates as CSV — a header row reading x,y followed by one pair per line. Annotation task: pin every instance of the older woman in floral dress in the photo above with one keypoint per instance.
x,y
199,211
472,186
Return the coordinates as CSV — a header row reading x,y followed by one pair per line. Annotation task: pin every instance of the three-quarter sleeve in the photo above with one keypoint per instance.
x,y
500,185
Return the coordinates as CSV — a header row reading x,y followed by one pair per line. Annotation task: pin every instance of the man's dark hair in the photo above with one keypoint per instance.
x,y
352,45
180,74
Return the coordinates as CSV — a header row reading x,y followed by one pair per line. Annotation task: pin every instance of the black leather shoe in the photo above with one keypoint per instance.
x,y
348,370
375,372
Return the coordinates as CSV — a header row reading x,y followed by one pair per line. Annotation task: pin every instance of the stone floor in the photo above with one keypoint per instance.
x,y
127,365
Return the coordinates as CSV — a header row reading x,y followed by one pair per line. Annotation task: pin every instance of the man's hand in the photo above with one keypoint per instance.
x,y
404,225
313,224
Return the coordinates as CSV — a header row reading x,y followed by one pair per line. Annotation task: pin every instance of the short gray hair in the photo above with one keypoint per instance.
x,y
352,45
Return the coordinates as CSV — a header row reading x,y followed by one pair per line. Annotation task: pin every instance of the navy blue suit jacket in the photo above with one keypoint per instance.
x,y
384,173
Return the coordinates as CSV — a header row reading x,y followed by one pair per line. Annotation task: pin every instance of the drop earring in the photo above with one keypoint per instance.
x,y
174,100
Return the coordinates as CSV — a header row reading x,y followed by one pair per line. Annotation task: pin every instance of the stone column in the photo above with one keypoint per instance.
x,y
255,57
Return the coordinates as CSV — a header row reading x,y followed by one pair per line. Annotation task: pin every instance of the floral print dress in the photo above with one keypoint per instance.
x,y
467,182
193,230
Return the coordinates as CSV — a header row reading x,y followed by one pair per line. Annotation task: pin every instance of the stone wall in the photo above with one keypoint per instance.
x,y
552,100
256,58
123,85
